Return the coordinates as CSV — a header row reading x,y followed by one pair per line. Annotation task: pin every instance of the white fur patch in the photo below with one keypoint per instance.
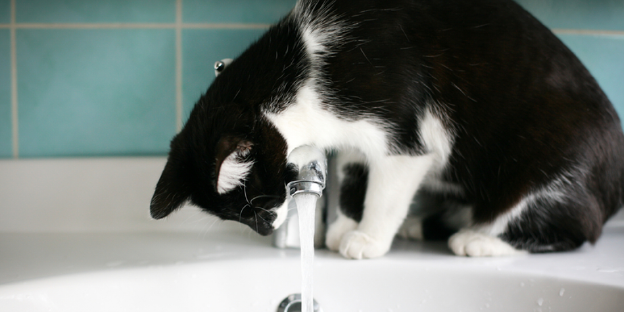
x,y
474,244
437,140
305,122
320,29
435,137
232,173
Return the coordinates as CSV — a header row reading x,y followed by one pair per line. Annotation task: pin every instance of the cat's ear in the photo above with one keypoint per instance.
x,y
172,191
232,163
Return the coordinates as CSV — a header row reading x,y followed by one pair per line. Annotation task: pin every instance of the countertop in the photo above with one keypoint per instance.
x,y
32,256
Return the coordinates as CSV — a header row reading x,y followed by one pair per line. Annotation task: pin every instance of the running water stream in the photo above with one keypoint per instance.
x,y
306,206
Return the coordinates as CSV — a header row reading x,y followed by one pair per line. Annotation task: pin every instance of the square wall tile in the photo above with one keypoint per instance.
x,y
236,11
201,49
578,14
6,135
95,92
5,11
95,11
604,57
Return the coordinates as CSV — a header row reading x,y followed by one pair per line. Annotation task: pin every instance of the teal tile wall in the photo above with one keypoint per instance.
x,y
604,57
578,14
95,11
102,88
5,94
201,49
102,92
5,11
229,11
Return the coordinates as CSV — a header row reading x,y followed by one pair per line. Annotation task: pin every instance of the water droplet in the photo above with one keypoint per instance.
x,y
487,305
561,292
521,284
540,301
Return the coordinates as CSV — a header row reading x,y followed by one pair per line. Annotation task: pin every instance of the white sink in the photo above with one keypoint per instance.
x,y
241,272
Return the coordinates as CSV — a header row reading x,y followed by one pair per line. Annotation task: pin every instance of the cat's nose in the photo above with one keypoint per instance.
x,y
261,221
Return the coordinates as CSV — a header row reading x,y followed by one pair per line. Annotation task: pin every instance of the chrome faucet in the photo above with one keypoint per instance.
x,y
311,165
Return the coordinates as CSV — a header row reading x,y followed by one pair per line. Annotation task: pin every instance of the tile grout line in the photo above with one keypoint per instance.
x,y
587,32
178,65
224,26
14,116
136,25
96,25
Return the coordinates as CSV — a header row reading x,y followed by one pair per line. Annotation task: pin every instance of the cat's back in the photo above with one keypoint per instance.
x,y
517,97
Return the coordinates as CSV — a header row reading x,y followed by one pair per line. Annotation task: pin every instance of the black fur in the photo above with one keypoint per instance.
x,y
523,110
353,190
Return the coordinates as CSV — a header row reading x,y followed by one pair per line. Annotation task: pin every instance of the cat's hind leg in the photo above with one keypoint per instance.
x,y
482,239
558,217
547,226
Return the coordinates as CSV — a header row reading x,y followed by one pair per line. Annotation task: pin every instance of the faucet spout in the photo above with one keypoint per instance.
x,y
311,166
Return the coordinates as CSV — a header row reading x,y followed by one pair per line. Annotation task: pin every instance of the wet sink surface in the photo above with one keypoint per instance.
x,y
241,272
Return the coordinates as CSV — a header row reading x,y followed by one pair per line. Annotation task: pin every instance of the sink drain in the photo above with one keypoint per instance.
x,y
292,303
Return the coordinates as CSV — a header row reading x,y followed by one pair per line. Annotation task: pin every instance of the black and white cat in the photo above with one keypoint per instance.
x,y
507,138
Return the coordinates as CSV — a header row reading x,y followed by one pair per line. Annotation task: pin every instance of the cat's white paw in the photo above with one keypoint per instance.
x,y
337,230
359,245
474,244
411,228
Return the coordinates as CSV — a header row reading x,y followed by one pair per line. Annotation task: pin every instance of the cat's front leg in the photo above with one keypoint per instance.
x,y
392,182
352,173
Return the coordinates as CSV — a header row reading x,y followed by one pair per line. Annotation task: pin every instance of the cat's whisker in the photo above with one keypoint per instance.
x,y
245,192
240,214
262,209
264,196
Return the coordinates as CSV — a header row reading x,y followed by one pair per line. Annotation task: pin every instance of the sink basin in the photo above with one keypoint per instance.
x,y
259,285
241,272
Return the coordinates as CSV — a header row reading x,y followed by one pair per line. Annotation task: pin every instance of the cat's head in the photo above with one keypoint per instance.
x,y
229,163
229,159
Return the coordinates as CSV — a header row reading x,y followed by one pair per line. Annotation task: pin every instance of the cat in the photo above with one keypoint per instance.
x,y
476,106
